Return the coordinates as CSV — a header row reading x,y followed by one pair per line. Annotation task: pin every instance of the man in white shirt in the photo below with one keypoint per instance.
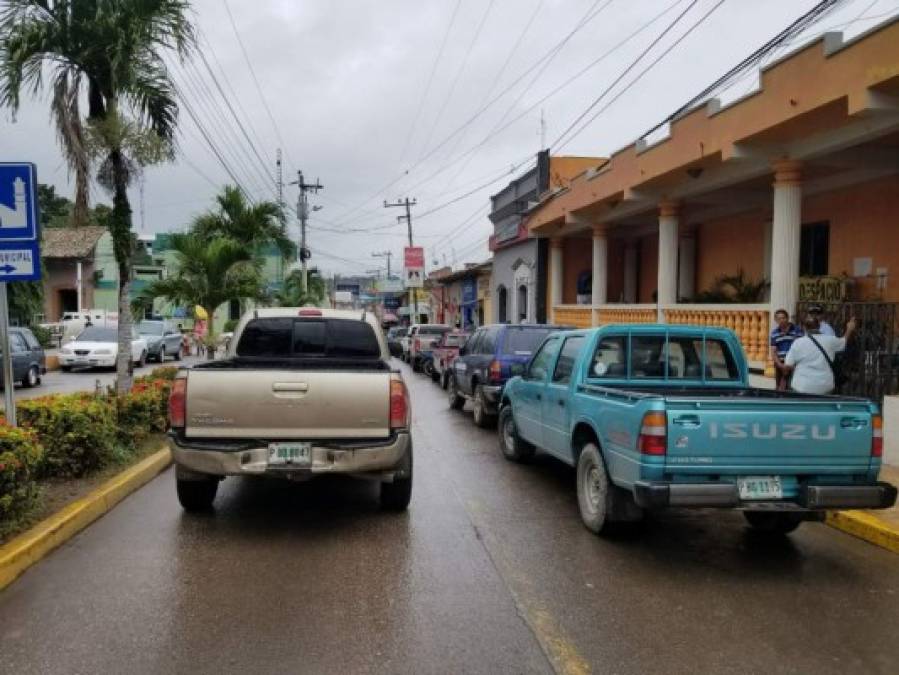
x,y
812,374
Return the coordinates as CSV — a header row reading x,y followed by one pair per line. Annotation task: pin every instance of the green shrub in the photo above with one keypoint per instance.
x,y
143,411
44,336
20,456
161,373
77,431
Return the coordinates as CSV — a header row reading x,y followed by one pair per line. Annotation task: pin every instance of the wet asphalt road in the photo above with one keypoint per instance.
x,y
490,571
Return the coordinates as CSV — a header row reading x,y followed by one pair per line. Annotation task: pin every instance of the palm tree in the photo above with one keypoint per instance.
x,y
109,53
207,273
292,293
254,225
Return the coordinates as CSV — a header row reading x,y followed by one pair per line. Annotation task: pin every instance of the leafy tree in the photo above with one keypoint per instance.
x,y
55,209
207,273
109,53
256,225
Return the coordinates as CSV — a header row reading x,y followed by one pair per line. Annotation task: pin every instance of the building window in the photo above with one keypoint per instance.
x,y
502,303
522,303
814,250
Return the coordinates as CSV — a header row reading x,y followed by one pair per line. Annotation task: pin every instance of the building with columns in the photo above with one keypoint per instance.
x,y
798,179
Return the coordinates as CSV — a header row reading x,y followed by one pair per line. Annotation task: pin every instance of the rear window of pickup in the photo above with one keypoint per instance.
x,y
652,357
286,337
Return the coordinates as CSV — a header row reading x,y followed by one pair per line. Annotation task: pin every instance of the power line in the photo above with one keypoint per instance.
x,y
630,67
427,88
464,62
246,58
642,73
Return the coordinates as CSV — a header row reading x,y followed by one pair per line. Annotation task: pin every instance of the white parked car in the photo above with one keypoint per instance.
x,y
97,347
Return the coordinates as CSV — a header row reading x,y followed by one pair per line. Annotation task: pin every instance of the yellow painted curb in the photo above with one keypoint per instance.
x,y
865,526
20,553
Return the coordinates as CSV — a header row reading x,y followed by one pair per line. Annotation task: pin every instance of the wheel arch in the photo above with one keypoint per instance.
x,y
583,433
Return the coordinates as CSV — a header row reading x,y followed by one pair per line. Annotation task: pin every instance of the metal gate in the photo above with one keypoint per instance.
x,y
871,360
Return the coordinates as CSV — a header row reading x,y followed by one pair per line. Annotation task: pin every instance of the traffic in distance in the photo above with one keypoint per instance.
x,y
650,416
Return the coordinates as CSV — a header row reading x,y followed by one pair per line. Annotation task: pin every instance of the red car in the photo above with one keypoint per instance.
x,y
444,353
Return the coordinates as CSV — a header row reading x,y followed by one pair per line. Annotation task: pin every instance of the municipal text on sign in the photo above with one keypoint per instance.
x,y
16,262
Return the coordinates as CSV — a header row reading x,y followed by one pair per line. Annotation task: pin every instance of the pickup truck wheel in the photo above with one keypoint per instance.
x,y
773,523
513,447
197,495
594,491
396,496
456,400
482,418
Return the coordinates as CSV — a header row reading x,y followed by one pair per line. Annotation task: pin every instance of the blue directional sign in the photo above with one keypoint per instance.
x,y
20,258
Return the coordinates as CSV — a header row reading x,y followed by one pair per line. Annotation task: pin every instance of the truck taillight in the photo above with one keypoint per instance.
x,y
496,371
399,405
417,345
877,436
653,434
178,403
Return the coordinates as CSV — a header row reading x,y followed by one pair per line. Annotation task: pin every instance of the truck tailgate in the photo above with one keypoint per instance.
x,y
786,437
288,404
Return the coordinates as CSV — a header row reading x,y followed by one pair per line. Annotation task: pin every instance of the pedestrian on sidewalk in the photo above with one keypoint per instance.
x,y
810,359
784,333
825,328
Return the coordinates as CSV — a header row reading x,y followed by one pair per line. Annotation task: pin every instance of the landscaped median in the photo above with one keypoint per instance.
x,y
65,446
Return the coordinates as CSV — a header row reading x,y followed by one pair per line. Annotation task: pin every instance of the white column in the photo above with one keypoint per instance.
x,y
630,272
666,288
767,254
686,272
786,231
599,289
555,276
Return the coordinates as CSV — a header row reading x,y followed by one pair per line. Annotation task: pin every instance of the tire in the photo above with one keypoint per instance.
x,y
513,447
594,490
177,356
197,495
142,361
161,355
456,400
66,369
32,378
396,496
428,368
416,366
777,523
481,417
444,381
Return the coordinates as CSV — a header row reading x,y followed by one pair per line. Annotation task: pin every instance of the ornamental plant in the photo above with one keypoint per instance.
x,y
20,457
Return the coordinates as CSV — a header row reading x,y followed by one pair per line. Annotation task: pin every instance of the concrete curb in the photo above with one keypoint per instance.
x,y
865,526
20,553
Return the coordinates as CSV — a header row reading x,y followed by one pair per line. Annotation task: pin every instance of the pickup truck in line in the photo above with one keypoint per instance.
x,y
302,392
654,416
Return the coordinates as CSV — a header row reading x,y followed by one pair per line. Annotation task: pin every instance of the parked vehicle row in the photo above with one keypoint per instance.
x,y
655,416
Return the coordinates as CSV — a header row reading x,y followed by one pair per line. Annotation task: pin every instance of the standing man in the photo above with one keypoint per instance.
x,y
782,337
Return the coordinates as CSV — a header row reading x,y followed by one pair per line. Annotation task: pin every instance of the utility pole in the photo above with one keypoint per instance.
x,y
384,254
408,204
303,215
279,177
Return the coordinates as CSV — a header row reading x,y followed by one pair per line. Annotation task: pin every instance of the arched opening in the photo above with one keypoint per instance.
x,y
502,304
522,303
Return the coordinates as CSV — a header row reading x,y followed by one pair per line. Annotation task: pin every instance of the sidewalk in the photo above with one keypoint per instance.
x,y
877,527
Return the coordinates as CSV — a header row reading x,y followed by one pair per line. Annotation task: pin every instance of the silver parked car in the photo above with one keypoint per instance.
x,y
162,340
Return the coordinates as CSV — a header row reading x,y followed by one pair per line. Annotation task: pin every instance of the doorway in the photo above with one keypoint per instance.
x,y
68,301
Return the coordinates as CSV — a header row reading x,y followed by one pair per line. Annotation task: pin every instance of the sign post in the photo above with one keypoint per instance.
x,y
20,258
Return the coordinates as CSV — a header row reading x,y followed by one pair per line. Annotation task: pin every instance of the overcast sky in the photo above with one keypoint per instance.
x,y
357,101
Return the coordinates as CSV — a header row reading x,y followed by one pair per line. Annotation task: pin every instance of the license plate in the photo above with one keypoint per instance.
x,y
760,487
290,454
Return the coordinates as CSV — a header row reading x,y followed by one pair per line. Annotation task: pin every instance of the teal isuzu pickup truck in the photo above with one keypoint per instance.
x,y
656,416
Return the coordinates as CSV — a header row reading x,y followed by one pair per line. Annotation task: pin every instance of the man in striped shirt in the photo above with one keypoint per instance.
x,y
782,337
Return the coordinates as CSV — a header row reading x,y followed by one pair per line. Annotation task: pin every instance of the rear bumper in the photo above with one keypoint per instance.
x,y
657,494
252,459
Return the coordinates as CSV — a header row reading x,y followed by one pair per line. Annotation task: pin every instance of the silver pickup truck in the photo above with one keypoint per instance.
x,y
302,392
